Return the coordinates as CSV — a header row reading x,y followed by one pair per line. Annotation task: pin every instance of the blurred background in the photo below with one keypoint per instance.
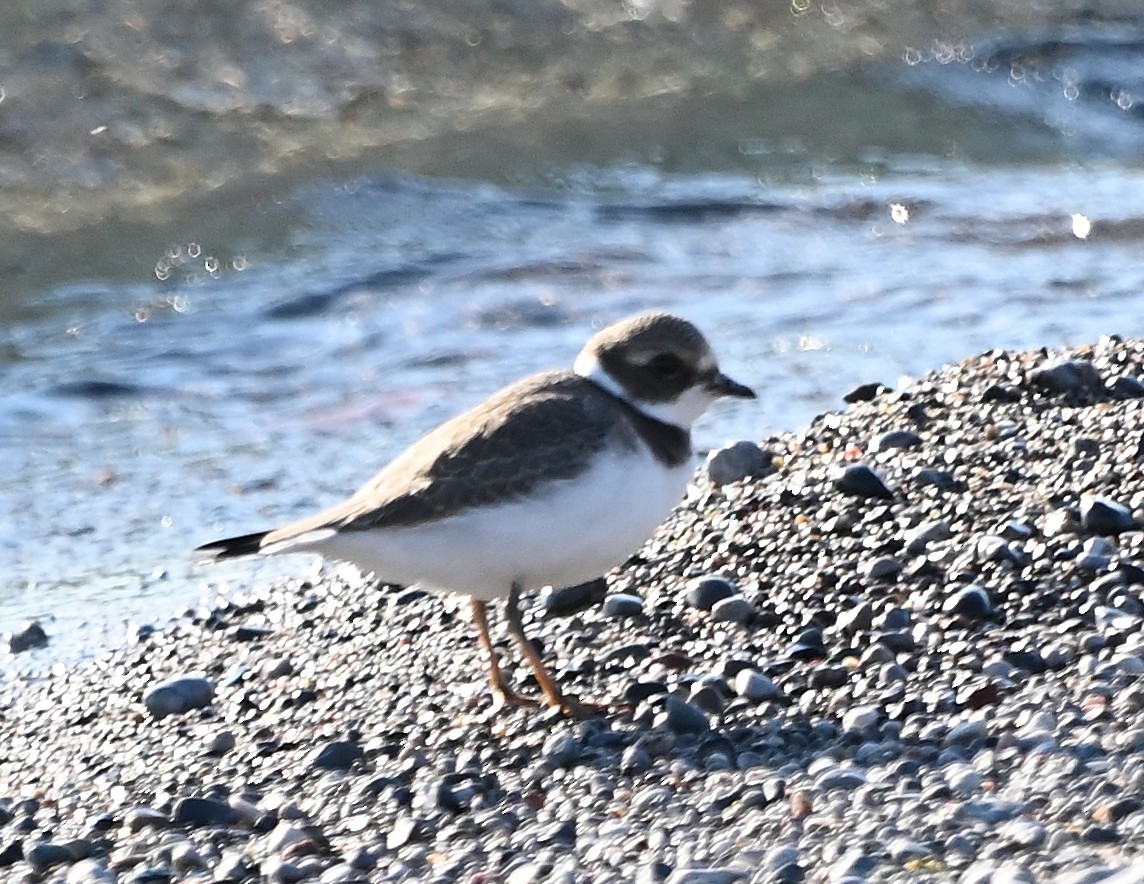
x,y
252,248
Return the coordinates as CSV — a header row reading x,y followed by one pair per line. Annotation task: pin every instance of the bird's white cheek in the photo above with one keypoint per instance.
x,y
682,411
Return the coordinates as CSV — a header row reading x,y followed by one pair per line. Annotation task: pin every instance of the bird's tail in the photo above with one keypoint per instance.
x,y
234,547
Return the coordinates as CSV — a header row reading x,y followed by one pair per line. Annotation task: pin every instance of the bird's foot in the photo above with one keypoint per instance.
x,y
504,696
574,707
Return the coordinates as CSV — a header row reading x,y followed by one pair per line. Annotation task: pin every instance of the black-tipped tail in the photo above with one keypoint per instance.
x,y
234,547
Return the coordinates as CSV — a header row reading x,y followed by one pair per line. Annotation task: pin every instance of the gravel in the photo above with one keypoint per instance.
x,y
912,652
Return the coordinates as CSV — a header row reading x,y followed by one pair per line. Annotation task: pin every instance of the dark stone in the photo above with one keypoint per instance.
x,y
742,460
178,695
971,602
337,755
865,393
1126,387
978,694
42,855
683,718
621,605
1100,835
861,481
638,691
999,393
897,439
559,832
203,812
808,646
1118,810
896,618
573,599
249,633
1067,376
1101,516
28,637
412,594
11,853
1031,661
704,592
942,480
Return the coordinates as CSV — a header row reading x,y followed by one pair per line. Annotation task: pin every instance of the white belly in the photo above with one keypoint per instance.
x,y
576,531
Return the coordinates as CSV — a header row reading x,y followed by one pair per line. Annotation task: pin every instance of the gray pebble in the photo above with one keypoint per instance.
x,y
178,695
897,439
734,609
42,855
970,601
882,568
1067,376
233,865
203,812
704,592
621,605
336,755
858,718
741,460
218,743
138,818
919,539
683,718
840,777
186,858
992,810
562,748
755,686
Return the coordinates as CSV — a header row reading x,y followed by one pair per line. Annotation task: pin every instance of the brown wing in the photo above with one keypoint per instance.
x,y
537,431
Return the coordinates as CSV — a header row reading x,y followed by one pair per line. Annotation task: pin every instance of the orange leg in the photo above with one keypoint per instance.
x,y
552,693
504,695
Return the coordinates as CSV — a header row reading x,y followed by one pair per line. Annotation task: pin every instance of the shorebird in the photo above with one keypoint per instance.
x,y
552,481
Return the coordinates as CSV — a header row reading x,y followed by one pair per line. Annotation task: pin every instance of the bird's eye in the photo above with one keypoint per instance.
x,y
667,366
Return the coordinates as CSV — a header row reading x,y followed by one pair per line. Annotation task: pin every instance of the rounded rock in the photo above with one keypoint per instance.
x,y
741,460
861,481
1099,515
970,601
683,718
622,605
734,609
897,439
27,638
203,812
570,600
336,755
704,592
178,695
754,686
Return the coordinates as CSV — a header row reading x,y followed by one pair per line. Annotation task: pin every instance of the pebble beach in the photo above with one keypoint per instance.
x,y
903,644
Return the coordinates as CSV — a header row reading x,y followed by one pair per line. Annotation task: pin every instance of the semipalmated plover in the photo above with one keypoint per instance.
x,y
553,481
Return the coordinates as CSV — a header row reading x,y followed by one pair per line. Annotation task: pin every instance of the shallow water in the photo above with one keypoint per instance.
x,y
188,355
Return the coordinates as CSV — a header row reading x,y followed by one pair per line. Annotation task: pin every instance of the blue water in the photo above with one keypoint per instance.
x,y
193,354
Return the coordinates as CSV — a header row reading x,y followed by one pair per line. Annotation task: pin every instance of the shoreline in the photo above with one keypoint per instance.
x,y
918,657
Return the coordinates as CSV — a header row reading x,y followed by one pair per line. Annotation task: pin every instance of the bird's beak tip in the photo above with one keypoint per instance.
x,y
725,386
